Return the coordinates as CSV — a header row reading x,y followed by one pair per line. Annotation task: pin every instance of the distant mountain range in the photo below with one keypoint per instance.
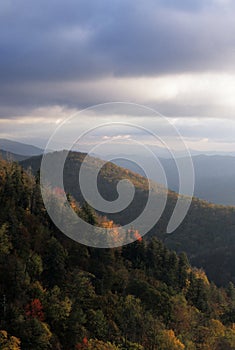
x,y
19,148
214,174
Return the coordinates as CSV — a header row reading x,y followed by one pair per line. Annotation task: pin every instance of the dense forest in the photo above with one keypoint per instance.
x,y
207,234
58,294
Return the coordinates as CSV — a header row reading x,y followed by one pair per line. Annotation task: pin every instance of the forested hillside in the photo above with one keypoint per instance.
x,y
58,294
207,234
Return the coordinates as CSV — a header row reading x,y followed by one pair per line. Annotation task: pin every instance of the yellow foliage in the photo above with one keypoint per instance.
x,y
170,341
47,336
200,274
8,342
37,285
94,344
107,224
217,328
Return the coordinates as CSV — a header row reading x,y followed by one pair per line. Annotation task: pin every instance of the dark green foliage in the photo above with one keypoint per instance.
x,y
33,334
88,214
54,260
58,294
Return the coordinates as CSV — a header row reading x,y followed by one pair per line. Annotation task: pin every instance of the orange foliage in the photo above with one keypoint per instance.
x,y
107,224
138,236
135,234
73,205
115,233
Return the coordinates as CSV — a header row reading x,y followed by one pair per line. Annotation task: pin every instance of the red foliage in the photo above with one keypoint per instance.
x,y
35,310
83,345
85,341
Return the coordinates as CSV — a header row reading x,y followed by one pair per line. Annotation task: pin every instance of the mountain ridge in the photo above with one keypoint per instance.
x,y
6,155
207,227
19,148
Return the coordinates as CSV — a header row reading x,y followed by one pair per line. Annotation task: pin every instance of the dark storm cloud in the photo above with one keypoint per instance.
x,y
81,39
62,41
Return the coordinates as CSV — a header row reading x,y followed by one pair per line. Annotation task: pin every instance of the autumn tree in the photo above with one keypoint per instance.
x,y
35,310
8,342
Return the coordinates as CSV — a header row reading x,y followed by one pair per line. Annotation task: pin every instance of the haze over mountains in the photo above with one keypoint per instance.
x,y
19,148
214,174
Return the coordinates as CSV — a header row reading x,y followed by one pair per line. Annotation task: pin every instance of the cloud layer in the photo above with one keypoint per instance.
x,y
177,56
77,39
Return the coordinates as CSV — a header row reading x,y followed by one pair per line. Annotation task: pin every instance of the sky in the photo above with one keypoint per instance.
x,y
177,57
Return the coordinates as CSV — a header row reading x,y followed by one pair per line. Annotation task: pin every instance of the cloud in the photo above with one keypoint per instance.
x,y
197,95
61,56
53,52
61,40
